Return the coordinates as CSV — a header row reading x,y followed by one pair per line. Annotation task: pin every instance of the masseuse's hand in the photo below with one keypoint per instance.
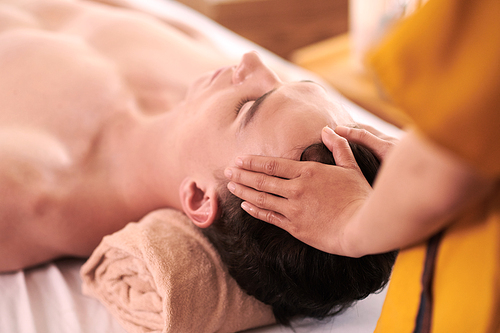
x,y
312,201
379,143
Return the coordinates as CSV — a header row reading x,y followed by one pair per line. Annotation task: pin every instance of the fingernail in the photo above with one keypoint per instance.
x,y
231,186
239,161
328,130
246,206
228,173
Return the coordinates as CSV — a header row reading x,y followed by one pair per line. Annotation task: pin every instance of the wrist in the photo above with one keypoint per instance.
x,y
352,238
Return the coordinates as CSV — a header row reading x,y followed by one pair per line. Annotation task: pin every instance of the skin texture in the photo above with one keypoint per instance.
x,y
117,115
419,183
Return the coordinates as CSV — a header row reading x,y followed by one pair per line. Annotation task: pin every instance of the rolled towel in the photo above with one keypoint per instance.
x,y
162,275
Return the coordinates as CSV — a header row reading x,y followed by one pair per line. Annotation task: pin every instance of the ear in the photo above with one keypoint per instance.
x,y
198,204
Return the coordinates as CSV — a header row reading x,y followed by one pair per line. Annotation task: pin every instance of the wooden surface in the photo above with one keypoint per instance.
x,y
281,26
332,60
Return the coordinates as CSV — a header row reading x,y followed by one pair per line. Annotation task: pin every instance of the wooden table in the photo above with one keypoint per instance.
x,y
280,26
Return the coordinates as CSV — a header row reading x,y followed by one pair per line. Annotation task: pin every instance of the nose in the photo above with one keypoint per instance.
x,y
251,68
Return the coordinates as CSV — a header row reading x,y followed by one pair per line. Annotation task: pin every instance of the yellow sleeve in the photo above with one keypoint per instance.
x,y
442,67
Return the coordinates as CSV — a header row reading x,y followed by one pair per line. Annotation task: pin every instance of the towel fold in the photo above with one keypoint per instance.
x,y
162,275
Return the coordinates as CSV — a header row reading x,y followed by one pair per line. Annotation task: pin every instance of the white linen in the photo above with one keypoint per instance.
x,y
49,298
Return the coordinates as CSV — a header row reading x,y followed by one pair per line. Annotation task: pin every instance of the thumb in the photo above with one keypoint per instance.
x,y
339,147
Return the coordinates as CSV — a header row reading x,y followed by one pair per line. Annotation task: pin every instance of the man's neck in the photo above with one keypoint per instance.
x,y
147,168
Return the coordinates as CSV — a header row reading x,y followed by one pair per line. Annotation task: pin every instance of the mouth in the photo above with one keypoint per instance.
x,y
217,73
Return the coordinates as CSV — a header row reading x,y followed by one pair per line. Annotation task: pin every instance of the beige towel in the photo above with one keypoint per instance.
x,y
162,275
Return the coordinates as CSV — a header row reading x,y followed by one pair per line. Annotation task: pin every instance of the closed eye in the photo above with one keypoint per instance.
x,y
240,104
255,107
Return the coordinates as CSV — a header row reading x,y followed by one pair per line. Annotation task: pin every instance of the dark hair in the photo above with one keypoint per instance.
x,y
296,279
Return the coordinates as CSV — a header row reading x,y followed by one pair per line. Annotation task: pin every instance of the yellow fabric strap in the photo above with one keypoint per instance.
x,y
442,67
466,287
403,296
467,280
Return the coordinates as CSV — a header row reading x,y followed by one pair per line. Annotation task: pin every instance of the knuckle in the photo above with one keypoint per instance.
x,y
261,199
362,134
295,211
248,163
308,171
295,192
340,142
260,182
236,176
270,217
271,167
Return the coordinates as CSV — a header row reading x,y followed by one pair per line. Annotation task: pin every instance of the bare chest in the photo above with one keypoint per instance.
x,y
59,100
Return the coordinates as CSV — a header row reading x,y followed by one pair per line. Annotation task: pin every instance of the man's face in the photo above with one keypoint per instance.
x,y
247,109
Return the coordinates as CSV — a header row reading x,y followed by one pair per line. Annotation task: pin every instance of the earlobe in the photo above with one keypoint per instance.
x,y
198,204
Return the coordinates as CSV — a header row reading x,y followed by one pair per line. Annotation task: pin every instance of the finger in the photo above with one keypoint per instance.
x,y
262,200
258,181
339,147
380,135
353,134
358,135
265,215
272,166
373,130
365,138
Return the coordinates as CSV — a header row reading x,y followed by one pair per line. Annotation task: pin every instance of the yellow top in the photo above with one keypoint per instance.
x,y
442,67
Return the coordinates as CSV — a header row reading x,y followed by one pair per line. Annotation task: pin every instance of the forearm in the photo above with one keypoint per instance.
x,y
419,189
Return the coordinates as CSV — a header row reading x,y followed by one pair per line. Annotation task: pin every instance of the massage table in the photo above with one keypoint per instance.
x,y
48,298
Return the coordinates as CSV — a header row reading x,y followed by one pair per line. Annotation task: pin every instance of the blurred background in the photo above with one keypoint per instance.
x,y
281,26
284,26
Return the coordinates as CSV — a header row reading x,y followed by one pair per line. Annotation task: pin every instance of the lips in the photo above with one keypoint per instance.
x,y
217,73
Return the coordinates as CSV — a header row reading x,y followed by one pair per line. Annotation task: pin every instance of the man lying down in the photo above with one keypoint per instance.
x,y
108,115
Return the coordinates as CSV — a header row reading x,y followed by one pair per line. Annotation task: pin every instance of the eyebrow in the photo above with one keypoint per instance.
x,y
258,102
255,107
316,83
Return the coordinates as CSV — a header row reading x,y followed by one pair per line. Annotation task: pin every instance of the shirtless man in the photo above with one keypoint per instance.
x,y
95,131
78,81
107,115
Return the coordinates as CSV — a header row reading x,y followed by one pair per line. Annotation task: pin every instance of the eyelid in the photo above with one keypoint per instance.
x,y
246,100
243,103
250,113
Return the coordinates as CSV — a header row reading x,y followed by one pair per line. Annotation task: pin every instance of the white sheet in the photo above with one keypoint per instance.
x,y
48,298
